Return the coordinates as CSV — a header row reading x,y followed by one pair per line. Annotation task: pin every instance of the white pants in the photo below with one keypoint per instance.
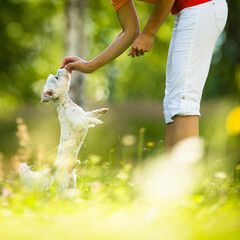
x,y
196,30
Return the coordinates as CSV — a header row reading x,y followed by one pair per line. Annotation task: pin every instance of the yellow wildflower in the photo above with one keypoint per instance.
x,y
238,167
150,144
233,121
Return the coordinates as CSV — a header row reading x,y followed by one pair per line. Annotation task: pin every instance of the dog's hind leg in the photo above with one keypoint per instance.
x,y
73,175
35,180
73,179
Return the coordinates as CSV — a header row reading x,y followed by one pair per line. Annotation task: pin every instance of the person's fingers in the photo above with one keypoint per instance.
x,y
138,52
69,59
72,69
130,52
71,66
133,52
66,60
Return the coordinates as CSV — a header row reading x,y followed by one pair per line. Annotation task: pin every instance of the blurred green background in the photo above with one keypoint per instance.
x,y
33,37
115,200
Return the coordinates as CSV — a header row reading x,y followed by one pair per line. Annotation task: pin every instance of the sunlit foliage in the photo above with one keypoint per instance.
x,y
126,187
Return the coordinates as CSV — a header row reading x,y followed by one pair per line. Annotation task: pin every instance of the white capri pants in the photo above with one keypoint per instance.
x,y
196,30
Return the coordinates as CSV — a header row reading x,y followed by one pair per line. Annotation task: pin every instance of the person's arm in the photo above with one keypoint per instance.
x,y
144,41
130,29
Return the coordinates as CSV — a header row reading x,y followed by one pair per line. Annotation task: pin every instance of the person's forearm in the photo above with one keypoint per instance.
x,y
160,13
128,20
115,49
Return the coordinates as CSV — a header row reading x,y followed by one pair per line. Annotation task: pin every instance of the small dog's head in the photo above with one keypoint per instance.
x,y
56,86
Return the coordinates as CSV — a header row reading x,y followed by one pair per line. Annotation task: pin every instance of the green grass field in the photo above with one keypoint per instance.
x,y
110,205
134,191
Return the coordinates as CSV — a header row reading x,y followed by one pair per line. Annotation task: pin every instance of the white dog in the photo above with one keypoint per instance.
x,y
74,123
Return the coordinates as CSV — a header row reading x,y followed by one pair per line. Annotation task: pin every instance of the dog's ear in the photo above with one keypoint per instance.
x,y
46,96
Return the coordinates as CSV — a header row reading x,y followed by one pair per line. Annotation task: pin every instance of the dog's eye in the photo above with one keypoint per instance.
x,y
56,77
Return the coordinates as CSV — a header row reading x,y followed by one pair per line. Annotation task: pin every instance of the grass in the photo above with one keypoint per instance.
x,y
132,192
112,207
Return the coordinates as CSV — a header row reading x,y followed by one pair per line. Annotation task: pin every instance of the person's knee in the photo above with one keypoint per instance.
x,y
185,117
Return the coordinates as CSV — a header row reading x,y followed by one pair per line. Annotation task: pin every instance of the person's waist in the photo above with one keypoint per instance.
x,y
179,5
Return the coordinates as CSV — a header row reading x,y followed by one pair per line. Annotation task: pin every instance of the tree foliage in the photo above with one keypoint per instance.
x,y
32,34
31,46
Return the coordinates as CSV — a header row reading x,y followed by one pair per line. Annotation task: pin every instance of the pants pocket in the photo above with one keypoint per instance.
x,y
221,12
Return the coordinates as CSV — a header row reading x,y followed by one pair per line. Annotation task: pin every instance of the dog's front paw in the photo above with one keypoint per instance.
x,y
92,122
97,113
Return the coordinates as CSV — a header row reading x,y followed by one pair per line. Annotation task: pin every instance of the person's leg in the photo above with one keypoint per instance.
x,y
182,127
194,36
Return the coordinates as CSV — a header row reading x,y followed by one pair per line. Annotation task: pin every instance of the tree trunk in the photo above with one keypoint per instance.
x,y
76,42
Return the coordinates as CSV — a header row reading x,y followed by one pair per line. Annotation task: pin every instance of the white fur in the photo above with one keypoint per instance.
x,y
36,181
74,123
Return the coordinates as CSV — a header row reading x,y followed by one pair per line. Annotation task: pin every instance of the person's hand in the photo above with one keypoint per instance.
x,y
78,64
142,44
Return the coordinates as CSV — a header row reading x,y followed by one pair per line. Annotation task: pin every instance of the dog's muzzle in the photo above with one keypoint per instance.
x,y
63,72
47,96
45,99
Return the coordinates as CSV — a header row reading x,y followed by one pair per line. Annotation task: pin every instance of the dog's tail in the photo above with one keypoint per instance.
x,y
35,180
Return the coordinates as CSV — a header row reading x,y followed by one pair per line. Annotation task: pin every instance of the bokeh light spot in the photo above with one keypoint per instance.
x,y
233,121
14,30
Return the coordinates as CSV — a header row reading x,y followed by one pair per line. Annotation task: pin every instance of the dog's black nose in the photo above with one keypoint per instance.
x,y
61,67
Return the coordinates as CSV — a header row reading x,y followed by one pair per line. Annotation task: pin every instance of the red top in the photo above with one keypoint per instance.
x,y
177,7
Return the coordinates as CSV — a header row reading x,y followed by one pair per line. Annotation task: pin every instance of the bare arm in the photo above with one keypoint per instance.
x,y
130,29
144,41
